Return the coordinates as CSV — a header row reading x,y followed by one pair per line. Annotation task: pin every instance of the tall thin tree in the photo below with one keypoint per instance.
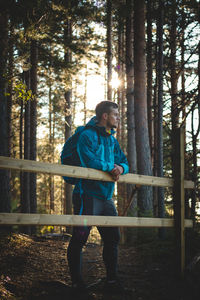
x,y
109,48
68,108
149,70
141,123
131,142
33,123
161,207
5,202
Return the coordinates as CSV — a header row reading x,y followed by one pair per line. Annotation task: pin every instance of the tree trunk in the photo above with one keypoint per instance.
x,y
10,86
174,100
149,71
121,135
161,205
85,97
25,205
195,136
109,48
33,125
131,144
21,123
194,161
141,123
5,202
68,117
51,150
183,98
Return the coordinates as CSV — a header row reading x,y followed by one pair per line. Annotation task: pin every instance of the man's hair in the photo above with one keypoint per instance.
x,y
104,107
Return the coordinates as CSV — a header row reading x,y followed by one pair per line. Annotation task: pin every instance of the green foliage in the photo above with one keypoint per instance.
x,y
47,229
22,93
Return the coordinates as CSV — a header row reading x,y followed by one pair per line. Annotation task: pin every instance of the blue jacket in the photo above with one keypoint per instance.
x,y
99,150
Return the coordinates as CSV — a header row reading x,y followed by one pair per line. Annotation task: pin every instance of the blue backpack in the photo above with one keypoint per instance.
x,y
69,154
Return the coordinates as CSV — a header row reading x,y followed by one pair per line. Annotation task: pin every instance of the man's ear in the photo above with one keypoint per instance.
x,y
105,116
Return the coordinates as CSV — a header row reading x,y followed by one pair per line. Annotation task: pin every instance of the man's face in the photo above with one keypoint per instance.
x,y
113,118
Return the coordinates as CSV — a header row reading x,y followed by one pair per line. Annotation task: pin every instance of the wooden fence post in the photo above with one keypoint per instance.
x,y
179,199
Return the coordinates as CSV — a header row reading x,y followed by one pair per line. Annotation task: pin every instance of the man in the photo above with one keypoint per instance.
x,y
98,149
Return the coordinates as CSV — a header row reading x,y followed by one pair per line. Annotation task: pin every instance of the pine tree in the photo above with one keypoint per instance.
x,y
145,204
4,174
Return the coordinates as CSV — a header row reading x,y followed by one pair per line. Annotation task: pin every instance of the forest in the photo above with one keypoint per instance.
x,y
58,60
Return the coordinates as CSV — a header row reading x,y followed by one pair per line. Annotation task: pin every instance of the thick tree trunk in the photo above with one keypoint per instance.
x,y
5,204
141,123
109,48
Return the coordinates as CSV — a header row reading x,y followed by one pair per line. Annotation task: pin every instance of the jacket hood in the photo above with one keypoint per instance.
x,y
102,130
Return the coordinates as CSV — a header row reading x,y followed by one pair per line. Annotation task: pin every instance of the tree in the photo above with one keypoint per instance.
x,y
33,123
141,124
109,48
149,70
68,108
131,142
4,174
161,207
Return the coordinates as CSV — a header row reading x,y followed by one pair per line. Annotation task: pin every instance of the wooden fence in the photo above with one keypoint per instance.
x,y
85,173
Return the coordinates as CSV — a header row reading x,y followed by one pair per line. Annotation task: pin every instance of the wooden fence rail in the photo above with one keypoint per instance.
x,y
85,173
75,220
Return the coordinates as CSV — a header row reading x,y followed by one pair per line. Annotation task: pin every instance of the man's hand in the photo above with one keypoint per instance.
x,y
118,170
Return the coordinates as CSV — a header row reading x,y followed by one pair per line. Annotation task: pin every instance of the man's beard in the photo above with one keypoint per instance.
x,y
111,125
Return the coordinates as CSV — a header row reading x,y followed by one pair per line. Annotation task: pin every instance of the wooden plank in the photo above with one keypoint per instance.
x,y
75,220
179,199
182,200
86,173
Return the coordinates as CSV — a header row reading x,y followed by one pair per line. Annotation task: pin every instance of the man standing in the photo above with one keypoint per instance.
x,y
98,149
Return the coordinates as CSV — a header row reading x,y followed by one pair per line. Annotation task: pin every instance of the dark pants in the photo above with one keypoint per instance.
x,y
109,235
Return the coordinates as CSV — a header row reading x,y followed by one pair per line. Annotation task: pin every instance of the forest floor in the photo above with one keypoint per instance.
x,y
33,268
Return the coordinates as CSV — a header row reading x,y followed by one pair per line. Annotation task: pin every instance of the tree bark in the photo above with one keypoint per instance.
x,y
25,205
33,124
68,116
51,178
174,100
141,123
5,201
195,135
149,71
161,205
109,48
10,86
121,132
131,144
85,97
21,123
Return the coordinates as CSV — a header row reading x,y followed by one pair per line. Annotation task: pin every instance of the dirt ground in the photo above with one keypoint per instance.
x,y
33,268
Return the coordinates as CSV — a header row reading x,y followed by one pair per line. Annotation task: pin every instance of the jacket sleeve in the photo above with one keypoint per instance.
x,y
87,144
120,158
